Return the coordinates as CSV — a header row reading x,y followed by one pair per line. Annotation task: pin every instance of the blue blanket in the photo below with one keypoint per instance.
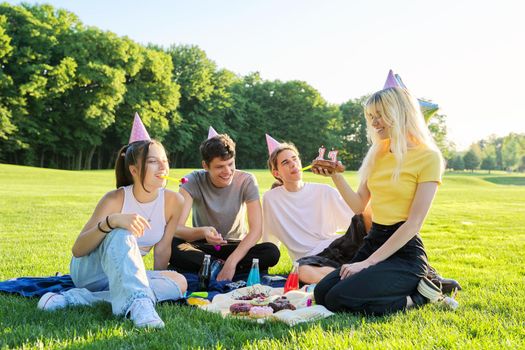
x,y
215,287
38,286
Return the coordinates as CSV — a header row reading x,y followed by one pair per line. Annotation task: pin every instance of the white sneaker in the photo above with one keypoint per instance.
x,y
429,290
52,301
142,313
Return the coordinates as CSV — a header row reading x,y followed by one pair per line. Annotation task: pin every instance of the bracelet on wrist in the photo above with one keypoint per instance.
x,y
107,223
100,228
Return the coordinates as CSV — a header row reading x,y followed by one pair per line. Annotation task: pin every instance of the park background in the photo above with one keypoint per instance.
x,y
68,92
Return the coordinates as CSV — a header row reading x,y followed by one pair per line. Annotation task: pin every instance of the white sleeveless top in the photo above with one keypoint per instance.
x,y
152,211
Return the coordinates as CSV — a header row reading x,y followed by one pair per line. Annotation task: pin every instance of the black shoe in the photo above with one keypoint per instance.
x,y
447,285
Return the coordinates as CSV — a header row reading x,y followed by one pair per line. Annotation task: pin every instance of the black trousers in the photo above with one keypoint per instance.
x,y
381,288
188,256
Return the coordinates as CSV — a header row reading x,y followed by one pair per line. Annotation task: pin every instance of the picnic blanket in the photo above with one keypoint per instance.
x,y
239,280
37,286
299,298
222,294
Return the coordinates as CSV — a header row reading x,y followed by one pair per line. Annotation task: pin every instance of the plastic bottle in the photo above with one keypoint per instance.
x,y
254,276
204,273
292,282
451,303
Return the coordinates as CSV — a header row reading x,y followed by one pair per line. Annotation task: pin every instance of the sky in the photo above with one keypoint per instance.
x,y
467,56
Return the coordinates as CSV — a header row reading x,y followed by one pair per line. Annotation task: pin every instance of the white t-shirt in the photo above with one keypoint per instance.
x,y
306,221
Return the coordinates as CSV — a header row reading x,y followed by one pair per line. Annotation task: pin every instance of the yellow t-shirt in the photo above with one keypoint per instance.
x,y
391,200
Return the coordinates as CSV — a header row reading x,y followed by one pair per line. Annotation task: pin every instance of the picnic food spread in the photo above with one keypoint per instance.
x,y
261,303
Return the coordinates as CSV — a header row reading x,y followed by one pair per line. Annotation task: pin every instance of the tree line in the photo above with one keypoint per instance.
x,y
68,93
495,153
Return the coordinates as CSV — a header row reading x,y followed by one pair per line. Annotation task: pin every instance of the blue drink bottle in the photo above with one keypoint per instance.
x,y
254,277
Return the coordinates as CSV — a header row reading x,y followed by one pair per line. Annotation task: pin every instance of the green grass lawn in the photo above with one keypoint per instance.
x,y
475,233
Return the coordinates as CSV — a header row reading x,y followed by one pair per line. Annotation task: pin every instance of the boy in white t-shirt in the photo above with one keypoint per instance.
x,y
306,217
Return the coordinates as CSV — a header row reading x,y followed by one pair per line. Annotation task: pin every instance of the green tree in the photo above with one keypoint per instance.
x,y
99,89
298,113
204,101
471,160
150,91
498,145
289,111
456,162
248,110
438,129
513,148
353,133
521,167
35,71
9,99
488,149
488,163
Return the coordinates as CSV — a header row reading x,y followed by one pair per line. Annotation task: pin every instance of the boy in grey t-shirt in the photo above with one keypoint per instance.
x,y
221,198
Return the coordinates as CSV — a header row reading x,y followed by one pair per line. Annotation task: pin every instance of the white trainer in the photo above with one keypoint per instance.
x,y
52,301
142,313
429,290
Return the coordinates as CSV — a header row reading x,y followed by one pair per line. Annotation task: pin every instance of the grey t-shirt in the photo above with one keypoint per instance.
x,y
221,207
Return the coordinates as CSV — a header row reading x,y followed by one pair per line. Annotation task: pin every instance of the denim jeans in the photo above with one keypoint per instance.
x,y
114,272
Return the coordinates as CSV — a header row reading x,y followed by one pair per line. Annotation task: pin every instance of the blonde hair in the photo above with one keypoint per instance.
x,y
400,111
272,160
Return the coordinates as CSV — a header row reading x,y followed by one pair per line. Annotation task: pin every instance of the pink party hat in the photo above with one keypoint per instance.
x,y
272,144
391,81
212,132
138,131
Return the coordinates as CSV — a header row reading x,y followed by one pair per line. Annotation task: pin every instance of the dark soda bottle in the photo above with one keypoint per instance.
x,y
292,282
204,273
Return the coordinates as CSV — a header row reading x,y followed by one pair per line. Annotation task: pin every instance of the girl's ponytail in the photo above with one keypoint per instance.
x,y
122,174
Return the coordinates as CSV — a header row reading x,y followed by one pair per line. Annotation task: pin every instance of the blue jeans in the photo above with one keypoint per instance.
x,y
114,272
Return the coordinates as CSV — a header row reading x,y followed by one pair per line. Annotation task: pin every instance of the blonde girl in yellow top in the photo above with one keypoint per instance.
x,y
399,177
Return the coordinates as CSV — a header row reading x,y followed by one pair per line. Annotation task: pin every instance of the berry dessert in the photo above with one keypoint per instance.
x,y
281,304
240,309
260,311
251,296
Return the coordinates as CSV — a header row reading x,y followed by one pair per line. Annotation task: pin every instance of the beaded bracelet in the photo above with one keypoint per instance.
x,y
107,223
100,228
